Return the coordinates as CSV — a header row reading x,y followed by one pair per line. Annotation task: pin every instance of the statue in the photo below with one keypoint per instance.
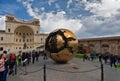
x,y
61,45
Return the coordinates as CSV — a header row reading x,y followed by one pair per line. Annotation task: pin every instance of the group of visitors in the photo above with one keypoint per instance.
x,y
90,56
28,57
9,61
110,59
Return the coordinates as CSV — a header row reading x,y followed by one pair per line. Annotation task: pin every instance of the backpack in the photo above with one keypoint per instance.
x,y
12,58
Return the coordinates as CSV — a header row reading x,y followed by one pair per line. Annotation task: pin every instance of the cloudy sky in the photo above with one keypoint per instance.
x,y
86,18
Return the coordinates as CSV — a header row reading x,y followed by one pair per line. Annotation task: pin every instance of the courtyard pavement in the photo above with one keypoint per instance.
x,y
74,70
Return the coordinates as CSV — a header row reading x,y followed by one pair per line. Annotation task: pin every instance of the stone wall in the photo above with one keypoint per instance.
x,y
103,45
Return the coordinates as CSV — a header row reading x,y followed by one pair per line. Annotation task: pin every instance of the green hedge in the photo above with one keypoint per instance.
x,y
118,65
79,56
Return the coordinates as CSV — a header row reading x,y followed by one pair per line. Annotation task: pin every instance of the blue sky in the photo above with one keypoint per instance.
x,y
86,18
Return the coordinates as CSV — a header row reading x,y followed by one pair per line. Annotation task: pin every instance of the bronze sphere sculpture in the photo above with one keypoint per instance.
x,y
61,45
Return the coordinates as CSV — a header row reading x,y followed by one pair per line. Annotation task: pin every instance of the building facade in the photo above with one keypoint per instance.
x,y
19,34
109,45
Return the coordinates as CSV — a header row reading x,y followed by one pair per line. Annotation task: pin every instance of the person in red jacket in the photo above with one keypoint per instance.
x,y
12,63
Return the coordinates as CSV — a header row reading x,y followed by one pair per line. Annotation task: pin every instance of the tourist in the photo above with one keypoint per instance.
x,y
19,58
85,57
92,55
100,57
33,56
28,57
113,60
45,55
105,57
2,68
23,56
36,55
5,56
12,62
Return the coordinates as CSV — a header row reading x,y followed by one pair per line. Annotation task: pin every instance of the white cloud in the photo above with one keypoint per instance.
x,y
104,20
95,27
57,6
69,3
42,8
105,8
56,21
50,21
50,2
30,10
36,9
2,22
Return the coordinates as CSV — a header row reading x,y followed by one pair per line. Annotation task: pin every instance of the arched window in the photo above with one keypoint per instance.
x,y
36,31
27,40
41,39
1,38
8,29
1,48
19,33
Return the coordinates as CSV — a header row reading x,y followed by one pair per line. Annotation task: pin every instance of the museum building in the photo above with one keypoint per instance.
x,y
109,45
20,34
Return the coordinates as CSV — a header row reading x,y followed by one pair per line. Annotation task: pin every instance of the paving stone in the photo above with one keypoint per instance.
x,y
74,70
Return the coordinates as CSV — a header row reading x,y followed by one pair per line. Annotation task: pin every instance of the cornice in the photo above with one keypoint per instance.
x,y
12,18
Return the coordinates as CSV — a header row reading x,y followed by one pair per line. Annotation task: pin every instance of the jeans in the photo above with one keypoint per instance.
x,y
5,75
2,76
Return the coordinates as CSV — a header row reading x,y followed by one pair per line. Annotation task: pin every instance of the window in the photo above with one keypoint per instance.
x,y
36,31
19,47
19,33
19,40
8,29
16,40
27,40
1,38
30,40
1,48
16,47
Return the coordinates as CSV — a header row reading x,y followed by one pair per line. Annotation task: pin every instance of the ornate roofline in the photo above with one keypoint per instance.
x,y
12,18
100,38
